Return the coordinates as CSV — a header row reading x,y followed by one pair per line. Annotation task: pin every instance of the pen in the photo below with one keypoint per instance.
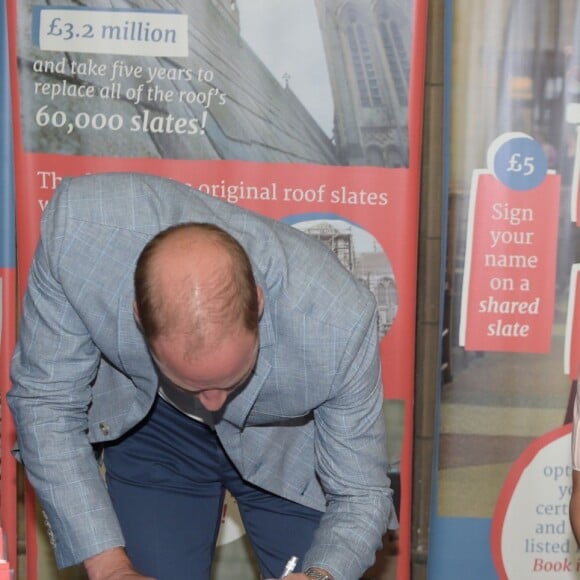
x,y
290,565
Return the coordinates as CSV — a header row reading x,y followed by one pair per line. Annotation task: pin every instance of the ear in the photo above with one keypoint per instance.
x,y
260,300
136,314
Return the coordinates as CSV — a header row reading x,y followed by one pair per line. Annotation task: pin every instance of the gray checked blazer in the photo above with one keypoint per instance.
x,y
309,425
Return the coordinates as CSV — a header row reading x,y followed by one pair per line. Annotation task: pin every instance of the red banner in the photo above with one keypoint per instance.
x,y
572,342
532,513
313,119
510,266
8,490
4,564
503,479
575,186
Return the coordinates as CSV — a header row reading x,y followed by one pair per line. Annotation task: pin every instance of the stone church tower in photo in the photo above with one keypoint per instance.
x,y
367,46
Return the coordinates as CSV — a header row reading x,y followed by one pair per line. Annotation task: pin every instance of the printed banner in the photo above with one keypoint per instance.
x,y
8,517
572,344
503,473
532,513
4,564
301,111
510,262
575,188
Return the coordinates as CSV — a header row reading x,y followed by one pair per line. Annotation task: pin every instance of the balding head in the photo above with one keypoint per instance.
x,y
195,282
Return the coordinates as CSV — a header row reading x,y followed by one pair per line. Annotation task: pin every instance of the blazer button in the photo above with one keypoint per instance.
x,y
104,428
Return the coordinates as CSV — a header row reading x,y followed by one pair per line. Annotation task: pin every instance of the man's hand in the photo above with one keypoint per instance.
x,y
113,564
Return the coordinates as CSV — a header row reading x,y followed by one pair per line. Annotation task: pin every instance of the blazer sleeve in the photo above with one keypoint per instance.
x,y
351,462
53,366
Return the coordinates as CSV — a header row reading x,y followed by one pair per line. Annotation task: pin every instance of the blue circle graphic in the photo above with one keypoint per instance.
x,y
520,163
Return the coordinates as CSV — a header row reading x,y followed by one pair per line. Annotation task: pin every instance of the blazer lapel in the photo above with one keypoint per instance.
x,y
238,408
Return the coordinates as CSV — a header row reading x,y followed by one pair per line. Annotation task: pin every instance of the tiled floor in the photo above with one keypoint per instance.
x,y
496,405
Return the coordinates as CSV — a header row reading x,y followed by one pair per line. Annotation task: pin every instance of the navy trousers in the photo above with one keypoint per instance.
x,y
167,480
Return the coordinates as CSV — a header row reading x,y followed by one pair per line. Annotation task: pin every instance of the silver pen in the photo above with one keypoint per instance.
x,y
289,568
